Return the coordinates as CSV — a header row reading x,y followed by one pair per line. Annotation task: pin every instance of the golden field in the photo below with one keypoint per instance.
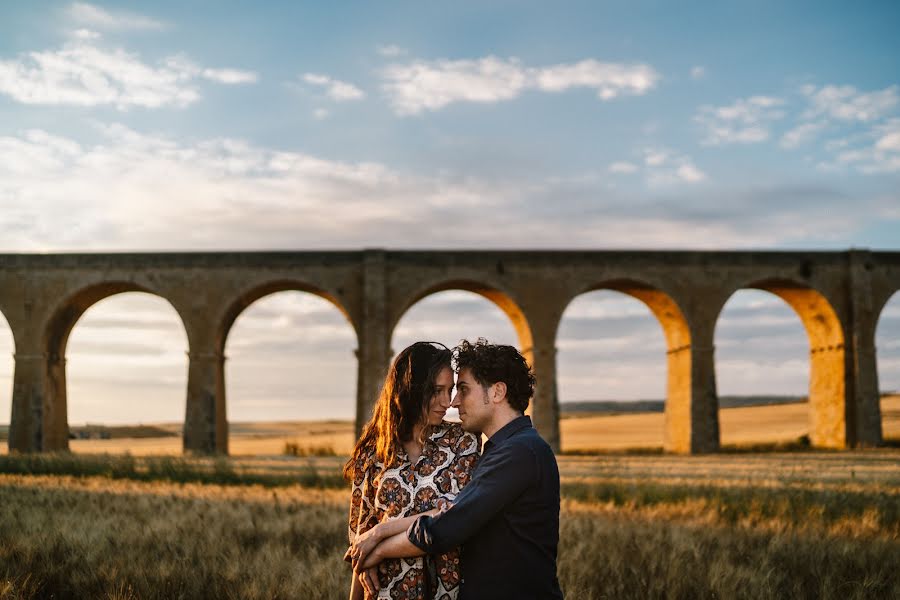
x,y
151,524
762,526
783,423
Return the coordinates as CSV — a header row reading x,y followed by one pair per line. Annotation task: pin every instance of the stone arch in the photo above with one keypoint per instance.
x,y
250,295
56,332
827,369
237,307
677,333
501,298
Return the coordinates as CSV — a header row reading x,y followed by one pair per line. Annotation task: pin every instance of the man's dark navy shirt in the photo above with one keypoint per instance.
x,y
505,521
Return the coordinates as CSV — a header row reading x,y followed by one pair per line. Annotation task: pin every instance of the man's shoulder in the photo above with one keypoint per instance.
x,y
528,437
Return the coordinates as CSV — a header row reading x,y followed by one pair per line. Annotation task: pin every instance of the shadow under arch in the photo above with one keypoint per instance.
x,y
503,300
677,436
829,414
257,292
54,422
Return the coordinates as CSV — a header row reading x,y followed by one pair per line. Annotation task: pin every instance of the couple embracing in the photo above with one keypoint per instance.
x,y
431,515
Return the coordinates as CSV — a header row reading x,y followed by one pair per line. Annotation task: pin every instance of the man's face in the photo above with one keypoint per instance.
x,y
475,409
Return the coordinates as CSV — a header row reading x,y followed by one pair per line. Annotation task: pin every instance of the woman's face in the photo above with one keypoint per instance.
x,y
440,401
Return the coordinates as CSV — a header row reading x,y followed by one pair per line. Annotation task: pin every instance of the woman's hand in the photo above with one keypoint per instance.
x,y
369,581
365,543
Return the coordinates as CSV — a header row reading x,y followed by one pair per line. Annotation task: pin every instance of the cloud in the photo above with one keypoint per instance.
x,y
802,134
133,190
431,85
391,50
321,113
663,167
84,74
100,18
698,73
744,122
623,167
340,91
230,76
846,103
85,34
881,156
888,137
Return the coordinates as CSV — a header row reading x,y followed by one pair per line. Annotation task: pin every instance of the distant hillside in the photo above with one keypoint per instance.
x,y
109,432
614,407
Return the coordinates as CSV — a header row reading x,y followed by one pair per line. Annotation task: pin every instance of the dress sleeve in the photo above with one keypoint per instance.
x,y
362,498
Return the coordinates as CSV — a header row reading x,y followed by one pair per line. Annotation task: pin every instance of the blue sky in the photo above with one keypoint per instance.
x,y
211,125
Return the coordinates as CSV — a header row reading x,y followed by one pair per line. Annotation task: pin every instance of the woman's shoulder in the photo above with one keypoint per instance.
x,y
451,435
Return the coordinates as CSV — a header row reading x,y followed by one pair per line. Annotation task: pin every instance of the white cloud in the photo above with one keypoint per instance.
x,y
337,90
846,103
889,137
85,34
609,79
84,74
881,156
321,113
802,134
117,21
655,157
391,50
135,191
432,85
623,167
744,122
663,167
690,173
230,76
698,72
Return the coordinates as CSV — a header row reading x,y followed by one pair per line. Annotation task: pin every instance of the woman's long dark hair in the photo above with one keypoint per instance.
x,y
404,401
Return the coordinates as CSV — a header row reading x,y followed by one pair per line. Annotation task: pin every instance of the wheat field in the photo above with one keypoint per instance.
x,y
777,525
783,423
154,525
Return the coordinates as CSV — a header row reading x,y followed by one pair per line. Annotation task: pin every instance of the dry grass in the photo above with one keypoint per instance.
x,y
772,525
780,423
799,525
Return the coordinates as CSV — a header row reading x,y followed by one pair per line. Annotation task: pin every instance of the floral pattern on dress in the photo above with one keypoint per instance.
x,y
381,494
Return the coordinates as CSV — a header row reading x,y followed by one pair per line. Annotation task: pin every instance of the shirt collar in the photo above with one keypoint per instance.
x,y
502,434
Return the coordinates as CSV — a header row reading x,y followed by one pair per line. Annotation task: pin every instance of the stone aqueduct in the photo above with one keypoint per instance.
x,y
837,295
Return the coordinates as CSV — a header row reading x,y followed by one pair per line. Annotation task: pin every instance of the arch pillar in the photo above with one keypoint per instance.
x,y
692,403
863,394
205,421
545,404
374,352
205,417
26,428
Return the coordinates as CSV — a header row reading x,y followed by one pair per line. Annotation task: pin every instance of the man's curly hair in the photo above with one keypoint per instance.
x,y
491,363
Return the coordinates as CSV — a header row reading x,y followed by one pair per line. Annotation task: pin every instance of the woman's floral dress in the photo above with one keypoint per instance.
x,y
379,494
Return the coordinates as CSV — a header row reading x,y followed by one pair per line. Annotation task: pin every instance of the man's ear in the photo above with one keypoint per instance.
x,y
498,392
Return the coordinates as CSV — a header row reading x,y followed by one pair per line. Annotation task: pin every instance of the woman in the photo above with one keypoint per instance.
x,y
409,461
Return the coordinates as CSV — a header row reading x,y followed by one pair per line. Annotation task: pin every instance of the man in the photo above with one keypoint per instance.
x,y
506,520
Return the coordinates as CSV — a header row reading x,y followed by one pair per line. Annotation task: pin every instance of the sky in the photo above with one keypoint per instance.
x,y
307,125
